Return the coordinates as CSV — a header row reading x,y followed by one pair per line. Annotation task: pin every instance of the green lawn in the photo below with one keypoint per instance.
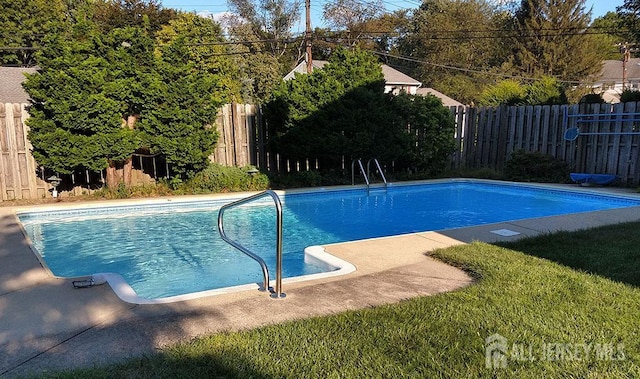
x,y
551,297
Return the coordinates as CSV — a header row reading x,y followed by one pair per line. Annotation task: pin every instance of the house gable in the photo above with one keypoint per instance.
x,y
446,100
395,81
609,82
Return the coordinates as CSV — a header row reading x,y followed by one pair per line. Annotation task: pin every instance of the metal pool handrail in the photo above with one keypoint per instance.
x,y
353,175
375,160
277,293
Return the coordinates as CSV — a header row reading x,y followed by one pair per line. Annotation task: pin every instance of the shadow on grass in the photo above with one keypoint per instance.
x,y
227,364
612,251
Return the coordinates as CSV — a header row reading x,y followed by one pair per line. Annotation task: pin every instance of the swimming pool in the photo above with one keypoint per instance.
x,y
165,250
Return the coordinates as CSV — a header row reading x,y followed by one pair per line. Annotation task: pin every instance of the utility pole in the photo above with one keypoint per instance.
x,y
626,54
307,37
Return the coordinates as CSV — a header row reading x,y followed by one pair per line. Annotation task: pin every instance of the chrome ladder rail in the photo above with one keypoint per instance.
x,y
379,170
277,293
364,174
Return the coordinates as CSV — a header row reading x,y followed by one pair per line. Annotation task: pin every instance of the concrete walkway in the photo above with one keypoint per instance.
x,y
47,325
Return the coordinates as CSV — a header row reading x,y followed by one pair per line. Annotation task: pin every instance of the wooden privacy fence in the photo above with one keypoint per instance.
x,y
240,144
607,142
241,138
18,178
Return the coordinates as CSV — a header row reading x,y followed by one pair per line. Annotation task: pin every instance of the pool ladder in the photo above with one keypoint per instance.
x,y
277,292
366,174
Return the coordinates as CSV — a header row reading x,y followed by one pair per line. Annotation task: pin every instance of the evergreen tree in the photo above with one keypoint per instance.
x,y
629,20
552,40
98,98
112,14
207,48
23,26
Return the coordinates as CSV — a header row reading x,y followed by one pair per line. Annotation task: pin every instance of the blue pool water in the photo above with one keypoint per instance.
x,y
169,249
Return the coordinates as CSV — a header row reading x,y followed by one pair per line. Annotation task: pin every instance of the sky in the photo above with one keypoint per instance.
x,y
600,8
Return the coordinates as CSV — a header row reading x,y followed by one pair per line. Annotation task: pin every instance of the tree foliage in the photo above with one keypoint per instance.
x,y
611,34
544,91
341,112
629,95
352,18
361,25
629,17
206,47
454,39
23,25
267,22
506,92
112,14
100,97
552,40
266,49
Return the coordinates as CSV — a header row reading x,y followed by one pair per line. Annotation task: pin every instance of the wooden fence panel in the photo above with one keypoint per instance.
x,y
18,169
629,145
220,153
469,138
520,131
545,129
528,129
613,158
458,113
238,127
554,125
5,179
491,135
484,137
241,133
536,126
603,161
502,138
484,118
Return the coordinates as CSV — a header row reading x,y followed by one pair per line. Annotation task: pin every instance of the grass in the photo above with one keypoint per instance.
x,y
558,293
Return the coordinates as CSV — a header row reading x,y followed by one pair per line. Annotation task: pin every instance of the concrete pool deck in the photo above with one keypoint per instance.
x,y
46,325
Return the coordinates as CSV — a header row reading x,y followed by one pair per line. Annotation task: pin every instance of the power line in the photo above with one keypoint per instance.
x,y
246,42
462,69
469,34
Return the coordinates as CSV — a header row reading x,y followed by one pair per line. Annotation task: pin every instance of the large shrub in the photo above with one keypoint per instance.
x,y
527,166
341,113
217,178
507,92
544,91
592,98
629,95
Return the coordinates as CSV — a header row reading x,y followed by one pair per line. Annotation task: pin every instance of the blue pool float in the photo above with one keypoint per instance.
x,y
589,179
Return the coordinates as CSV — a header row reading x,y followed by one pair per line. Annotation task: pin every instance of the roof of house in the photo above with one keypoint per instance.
x,y
612,71
391,75
301,68
11,79
446,100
